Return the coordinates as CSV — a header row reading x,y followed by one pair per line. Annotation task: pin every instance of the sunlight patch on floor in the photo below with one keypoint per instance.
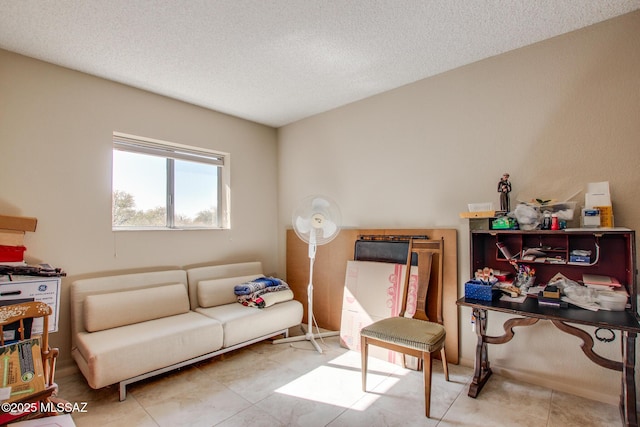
x,y
339,382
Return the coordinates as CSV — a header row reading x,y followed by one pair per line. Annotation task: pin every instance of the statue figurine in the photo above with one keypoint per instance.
x,y
504,188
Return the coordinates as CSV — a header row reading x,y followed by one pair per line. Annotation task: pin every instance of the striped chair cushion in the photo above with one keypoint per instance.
x,y
412,333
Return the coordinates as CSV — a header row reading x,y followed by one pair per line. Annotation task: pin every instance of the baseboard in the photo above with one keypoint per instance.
x,y
66,370
561,386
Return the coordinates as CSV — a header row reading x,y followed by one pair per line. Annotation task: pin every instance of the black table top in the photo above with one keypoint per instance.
x,y
620,320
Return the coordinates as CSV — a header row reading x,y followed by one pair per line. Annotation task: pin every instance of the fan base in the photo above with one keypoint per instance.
x,y
308,336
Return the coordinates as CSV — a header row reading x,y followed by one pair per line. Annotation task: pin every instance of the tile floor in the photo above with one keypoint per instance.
x,y
293,385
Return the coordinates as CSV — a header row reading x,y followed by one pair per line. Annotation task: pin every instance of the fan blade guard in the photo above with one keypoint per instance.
x,y
317,215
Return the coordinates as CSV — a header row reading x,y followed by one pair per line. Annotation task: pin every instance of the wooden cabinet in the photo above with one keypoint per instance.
x,y
612,253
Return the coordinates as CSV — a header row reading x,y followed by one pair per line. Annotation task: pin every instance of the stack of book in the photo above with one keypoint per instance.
x,y
550,297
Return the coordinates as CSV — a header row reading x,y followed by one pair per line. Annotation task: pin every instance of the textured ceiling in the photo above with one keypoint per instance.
x,y
278,61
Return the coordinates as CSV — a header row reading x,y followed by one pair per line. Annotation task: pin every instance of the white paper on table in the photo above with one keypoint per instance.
x,y
519,299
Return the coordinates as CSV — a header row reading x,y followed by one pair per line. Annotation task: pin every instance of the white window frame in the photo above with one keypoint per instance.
x,y
171,150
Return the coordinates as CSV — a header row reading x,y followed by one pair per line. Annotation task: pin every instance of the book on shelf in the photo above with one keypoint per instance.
x,y
535,252
505,251
533,255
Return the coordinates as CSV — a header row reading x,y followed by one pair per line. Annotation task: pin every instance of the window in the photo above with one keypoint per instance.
x,y
161,185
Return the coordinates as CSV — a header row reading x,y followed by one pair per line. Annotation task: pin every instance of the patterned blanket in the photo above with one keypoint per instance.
x,y
263,292
256,285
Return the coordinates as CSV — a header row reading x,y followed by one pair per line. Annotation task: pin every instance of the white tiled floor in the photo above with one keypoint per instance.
x,y
293,385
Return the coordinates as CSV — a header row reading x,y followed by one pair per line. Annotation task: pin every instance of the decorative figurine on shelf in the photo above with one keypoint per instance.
x,y
504,188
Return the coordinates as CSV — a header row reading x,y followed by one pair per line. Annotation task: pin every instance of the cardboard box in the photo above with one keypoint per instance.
x,y
373,291
478,214
606,215
21,370
583,259
11,238
44,289
19,223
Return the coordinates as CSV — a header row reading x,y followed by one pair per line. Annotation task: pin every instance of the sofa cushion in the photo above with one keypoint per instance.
x,y
242,323
112,355
220,291
110,310
197,274
82,288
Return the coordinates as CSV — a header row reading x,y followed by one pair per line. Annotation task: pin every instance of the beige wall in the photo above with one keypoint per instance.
x,y
55,164
556,115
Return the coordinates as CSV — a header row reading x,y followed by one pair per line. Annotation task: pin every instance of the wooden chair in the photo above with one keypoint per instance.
x,y
20,313
416,336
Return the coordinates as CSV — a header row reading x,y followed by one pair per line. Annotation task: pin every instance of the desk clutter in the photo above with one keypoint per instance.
x,y
576,276
12,249
547,213
594,292
585,269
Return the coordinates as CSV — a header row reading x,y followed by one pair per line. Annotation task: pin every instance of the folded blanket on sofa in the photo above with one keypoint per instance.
x,y
265,297
271,298
256,285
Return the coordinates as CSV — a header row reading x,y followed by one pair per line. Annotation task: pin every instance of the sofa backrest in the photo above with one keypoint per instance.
x,y
111,301
213,285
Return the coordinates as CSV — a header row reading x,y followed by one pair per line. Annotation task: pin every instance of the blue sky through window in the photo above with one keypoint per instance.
x,y
144,177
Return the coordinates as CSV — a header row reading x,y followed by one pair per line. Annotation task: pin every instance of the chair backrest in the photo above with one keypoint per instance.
x,y
31,310
430,279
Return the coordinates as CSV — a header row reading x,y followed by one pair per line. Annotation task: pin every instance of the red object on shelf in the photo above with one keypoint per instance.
x,y
12,253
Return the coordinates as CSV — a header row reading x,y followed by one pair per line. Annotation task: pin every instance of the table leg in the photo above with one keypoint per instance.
x,y
628,396
482,370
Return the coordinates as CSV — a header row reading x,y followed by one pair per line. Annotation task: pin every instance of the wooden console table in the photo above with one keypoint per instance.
x,y
613,254
530,313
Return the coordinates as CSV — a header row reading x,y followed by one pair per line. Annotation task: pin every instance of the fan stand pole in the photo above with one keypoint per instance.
x,y
308,333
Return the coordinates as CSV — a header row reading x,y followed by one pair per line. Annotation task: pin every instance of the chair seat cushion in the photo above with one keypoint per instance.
x,y
412,333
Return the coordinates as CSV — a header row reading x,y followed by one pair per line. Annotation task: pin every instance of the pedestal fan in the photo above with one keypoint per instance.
x,y
316,221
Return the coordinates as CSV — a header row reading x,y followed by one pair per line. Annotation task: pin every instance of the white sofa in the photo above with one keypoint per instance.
x,y
126,328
